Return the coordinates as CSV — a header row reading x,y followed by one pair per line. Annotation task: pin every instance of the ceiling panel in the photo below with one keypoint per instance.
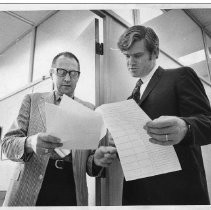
x,y
10,29
209,28
33,16
203,15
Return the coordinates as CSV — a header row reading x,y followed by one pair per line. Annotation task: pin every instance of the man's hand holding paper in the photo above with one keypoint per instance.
x,y
42,143
166,130
105,155
139,157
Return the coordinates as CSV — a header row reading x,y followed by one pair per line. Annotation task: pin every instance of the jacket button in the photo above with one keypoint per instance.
x,y
40,176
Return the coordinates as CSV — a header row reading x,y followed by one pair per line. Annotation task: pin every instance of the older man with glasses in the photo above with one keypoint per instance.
x,y
43,178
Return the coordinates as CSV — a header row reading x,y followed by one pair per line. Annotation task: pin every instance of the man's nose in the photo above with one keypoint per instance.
x,y
67,77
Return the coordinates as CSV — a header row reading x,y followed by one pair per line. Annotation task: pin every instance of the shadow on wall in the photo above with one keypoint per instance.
x,y
2,196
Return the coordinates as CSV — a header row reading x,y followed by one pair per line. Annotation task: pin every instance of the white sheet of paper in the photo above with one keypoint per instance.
x,y
76,125
139,158
84,113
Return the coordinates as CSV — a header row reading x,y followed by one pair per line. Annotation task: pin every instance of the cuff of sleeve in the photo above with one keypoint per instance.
x,y
26,156
188,139
97,171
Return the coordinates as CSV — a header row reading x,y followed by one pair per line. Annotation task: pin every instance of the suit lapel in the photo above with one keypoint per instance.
x,y
152,83
49,98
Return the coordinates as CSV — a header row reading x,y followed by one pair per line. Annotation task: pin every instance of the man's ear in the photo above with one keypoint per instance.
x,y
154,54
78,77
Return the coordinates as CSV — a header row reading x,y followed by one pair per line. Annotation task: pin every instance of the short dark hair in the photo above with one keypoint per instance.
x,y
67,55
139,32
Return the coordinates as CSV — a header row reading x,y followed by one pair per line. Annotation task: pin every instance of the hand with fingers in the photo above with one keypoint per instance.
x,y
166,130
105,155
42,143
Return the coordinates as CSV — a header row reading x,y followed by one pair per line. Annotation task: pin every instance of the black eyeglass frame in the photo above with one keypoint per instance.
x,y
55,70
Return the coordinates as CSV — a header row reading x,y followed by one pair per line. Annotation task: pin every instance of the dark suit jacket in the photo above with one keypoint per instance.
x,y
176,92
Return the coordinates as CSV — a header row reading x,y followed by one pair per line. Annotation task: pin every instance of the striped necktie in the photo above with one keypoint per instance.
x,y
136,92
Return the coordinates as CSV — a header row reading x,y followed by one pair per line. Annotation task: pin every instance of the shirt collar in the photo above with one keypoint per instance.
x,y
59,97
149,76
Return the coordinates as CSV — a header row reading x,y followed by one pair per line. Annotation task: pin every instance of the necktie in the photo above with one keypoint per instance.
x,y
136,92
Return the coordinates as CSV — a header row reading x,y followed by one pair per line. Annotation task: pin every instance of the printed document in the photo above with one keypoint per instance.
x,y
139,158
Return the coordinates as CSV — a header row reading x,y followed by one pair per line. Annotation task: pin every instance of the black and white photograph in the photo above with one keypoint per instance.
x,y
105,105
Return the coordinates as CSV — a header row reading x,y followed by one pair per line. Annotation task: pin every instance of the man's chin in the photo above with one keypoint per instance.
x,y
133,74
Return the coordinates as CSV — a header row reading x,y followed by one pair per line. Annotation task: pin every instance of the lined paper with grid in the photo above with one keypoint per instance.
x,y
139,158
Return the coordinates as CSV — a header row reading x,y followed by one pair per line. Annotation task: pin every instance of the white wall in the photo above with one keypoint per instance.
x,y
14,66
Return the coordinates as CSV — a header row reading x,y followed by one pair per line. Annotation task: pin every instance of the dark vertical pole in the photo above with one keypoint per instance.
x,y
32,51
97,99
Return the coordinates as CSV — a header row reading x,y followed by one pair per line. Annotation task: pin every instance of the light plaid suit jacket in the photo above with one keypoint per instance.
x,y
28,177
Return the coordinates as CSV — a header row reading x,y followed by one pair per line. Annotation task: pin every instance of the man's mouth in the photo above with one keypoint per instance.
x,y
66,85
133,69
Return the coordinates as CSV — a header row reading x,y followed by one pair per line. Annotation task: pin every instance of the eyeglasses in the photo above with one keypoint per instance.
x,y
63,72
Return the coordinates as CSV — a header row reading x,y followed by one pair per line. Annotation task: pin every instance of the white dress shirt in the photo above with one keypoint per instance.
x,y
146,79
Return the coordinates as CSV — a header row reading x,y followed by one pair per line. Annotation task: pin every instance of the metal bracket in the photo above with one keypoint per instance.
x,y
99,48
